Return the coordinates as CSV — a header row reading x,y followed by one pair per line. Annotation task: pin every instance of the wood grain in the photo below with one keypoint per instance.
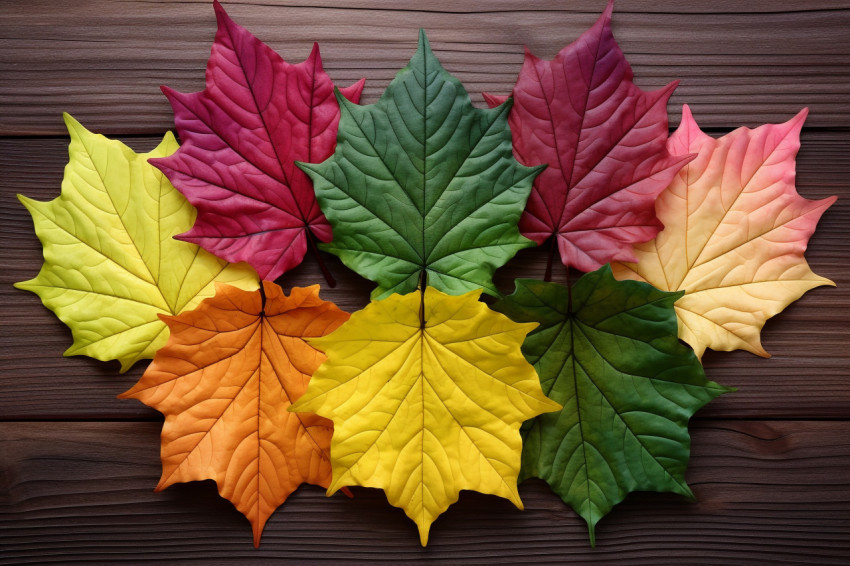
x,y
770,462
766,492
739,62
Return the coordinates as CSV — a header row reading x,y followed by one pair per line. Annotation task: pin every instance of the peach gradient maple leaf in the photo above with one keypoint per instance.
x,y
735,232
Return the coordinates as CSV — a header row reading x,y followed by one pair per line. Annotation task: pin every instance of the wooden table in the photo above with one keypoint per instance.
x,y
770,464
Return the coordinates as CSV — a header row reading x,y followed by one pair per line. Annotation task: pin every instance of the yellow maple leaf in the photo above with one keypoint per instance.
x,y
423,411
735,230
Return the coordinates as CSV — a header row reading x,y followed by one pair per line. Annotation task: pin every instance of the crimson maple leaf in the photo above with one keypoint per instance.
x,y
604,141
240,139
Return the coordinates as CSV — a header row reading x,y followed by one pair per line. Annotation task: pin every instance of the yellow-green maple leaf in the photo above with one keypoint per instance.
x,y
111,265
424,411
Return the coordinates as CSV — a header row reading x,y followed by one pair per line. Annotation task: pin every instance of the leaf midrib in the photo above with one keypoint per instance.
x,y
286,181
152,280
724,144
578,325
425,261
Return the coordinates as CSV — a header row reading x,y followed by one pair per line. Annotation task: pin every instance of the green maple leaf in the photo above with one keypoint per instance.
x,y
612,359
422,182
111,266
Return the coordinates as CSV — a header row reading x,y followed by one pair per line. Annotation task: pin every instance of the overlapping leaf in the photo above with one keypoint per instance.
x,y
428,390
603,139
240,139
224,382
423,411
422,182
111,265
735,233
628,388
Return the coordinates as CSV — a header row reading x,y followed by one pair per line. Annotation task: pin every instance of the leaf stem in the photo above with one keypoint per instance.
x,y
311,240
552,246
262,299
423,282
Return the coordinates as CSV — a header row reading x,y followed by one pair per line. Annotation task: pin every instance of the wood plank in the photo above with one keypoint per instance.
x,y
768,492
769,464
739,63
806,378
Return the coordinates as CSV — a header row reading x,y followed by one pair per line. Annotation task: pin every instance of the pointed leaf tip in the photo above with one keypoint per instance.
x,y
799,119
222,18
354,91
424,531
609,10
494,100
68,119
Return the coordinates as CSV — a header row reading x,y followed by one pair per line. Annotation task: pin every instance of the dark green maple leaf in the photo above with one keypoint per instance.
x,y
628,386
422,182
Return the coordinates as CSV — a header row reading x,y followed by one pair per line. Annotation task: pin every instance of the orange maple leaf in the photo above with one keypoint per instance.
x,y
224,381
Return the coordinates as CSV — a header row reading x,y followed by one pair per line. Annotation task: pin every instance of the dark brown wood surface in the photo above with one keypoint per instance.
x,y
771,463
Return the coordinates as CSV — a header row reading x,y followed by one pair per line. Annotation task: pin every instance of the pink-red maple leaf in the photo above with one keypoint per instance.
x,y
240,139
603,139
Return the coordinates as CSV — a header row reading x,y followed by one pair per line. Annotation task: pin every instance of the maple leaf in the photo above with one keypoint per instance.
x,y
423,411
735,233
224,380
240,139
611,357
111,265
423,183
603,139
